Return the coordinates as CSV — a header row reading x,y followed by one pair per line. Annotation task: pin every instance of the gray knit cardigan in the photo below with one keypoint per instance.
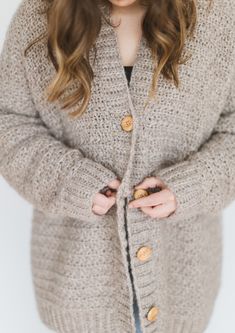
x,y
186,136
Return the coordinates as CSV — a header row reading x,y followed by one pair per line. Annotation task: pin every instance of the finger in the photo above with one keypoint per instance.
x,y
115,183
150,182
110,193
104,201
151,200
98,210
101,210
160,211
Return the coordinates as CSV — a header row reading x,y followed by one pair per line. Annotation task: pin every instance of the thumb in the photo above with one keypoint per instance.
x,y
114,184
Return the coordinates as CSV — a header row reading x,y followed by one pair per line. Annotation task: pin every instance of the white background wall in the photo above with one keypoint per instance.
x,y
18,313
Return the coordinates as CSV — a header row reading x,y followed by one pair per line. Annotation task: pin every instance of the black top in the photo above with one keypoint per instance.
x,y
128,70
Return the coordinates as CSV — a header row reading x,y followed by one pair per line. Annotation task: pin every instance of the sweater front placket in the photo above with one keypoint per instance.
x,y
128,220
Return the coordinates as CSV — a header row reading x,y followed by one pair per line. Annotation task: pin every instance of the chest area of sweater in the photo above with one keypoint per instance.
x,y
172,126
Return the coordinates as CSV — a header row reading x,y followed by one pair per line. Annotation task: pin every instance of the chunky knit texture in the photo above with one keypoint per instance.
x,y
186,137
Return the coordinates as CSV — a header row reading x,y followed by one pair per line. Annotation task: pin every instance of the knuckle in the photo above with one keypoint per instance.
x,y
108,205
103,211
98,210
154,214
171,196
96,197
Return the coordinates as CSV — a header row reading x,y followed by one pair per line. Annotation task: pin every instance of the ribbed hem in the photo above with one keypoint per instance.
x,y
63,321
83,182
187,326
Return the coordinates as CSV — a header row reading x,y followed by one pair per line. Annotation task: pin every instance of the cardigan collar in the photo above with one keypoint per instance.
x,y
107,45
109,55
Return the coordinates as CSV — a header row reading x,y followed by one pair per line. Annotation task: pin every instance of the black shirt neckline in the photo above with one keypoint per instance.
x,y
128,70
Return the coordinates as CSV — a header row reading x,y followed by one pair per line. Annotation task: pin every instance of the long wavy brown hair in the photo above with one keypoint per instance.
x,y
73,26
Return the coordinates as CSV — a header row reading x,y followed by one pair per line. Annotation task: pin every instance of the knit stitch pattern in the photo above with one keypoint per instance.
x,y
186,136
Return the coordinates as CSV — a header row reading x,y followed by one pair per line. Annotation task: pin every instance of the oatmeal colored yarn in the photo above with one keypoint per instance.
x,y
186,137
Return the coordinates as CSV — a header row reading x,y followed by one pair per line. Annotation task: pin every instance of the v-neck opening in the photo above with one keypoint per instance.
x,y
119,50
141,70
118,53
136,62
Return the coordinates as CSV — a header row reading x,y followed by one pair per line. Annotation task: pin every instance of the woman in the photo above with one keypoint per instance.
x,y
127,182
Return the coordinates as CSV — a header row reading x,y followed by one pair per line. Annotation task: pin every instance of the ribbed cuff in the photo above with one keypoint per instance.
x,y
84,180
189,184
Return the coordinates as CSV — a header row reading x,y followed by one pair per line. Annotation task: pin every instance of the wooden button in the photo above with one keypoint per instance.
x,y
144,253
152,314
140,193
127,123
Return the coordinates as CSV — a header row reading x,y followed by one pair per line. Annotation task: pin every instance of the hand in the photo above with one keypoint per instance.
x,y
103,202
157,205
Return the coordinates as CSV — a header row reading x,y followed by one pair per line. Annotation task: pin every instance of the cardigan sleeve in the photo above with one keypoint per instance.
x,y
204,183
50,175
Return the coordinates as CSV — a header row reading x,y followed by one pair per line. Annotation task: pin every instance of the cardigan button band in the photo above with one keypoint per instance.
x,y
127,123
152,313
144,253
139,193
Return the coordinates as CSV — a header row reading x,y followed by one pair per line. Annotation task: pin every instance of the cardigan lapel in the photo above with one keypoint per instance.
x,y
109,55
142,70
136,93
141,77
